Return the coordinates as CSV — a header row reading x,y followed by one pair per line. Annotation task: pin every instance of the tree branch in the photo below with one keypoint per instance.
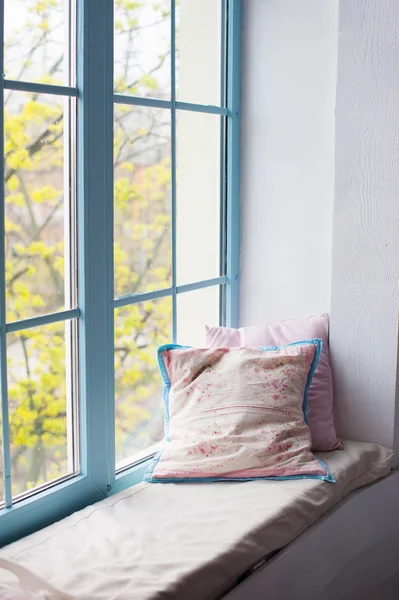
x,y
38,144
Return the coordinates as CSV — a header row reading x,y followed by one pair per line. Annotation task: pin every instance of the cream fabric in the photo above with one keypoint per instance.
x,y
236,413
25,585
187,541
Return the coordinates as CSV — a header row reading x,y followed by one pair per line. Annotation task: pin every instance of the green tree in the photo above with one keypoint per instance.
x,y
35,243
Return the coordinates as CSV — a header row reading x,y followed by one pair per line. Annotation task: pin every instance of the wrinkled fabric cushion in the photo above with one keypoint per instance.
x,y
236,413
188,540
28,586
321,415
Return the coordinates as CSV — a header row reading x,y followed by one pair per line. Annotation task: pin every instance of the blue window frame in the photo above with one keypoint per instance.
x,y
86,320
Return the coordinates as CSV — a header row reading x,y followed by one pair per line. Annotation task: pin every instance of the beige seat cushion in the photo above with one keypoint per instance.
x,y
188,541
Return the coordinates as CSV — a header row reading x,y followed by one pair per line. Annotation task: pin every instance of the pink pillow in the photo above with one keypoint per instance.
x,y
236,413
320,415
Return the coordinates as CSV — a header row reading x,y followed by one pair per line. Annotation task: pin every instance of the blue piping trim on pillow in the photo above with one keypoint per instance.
x,y
166,380
330,477
149,473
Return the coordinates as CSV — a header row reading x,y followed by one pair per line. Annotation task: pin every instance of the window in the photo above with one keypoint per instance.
x,y
120,218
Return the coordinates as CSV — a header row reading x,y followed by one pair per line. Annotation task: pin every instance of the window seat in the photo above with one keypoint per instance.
x,y
189,541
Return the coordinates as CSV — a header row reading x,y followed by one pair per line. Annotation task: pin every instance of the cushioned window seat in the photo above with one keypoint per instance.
x,y
189,541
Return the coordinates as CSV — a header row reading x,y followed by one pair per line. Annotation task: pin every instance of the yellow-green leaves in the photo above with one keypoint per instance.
x,y
47,194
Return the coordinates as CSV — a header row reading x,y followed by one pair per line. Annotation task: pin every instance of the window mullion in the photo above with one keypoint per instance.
x,y
95,239
234,16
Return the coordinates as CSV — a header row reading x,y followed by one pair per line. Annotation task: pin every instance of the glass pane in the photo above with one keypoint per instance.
x,y
142,237
34,204
198,196
35,40
40,407
142,48
139,330
199,51
204,304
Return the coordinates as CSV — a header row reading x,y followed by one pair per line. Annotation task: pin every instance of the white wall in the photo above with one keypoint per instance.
x,y
303,251
288,100
366,219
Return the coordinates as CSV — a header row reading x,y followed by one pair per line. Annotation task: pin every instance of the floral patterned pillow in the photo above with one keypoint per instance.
x,y
237,414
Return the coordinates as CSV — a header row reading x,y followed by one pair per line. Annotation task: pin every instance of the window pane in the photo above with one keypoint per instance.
x,y
35,39
142,236
139,330
34,204
199,45
41,410
204,304
198,196
142,48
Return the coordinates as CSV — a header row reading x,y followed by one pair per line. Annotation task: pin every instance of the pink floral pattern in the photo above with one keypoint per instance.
x,y
236,413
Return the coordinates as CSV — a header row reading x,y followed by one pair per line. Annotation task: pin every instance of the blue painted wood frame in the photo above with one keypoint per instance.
x,y
180,289
95,205
57,317
40,88
95,238
167,104
234,19
95,241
